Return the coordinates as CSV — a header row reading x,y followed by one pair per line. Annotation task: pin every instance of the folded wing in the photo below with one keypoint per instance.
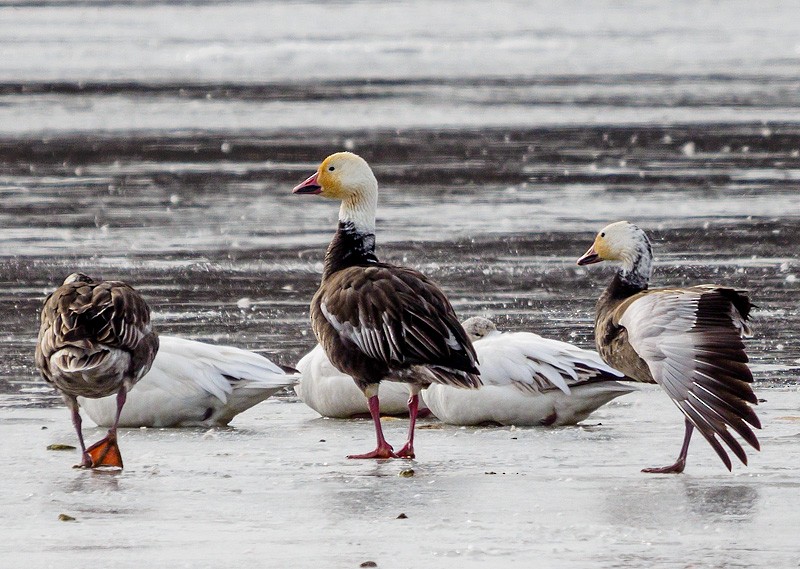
x,y
400,318
536,364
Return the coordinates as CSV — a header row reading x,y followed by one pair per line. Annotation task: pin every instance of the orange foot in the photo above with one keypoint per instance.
x,y
105,453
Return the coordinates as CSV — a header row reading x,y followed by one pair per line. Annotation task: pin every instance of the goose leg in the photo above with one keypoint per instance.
x,y
680,464
413,408
72,403
105,452
384,449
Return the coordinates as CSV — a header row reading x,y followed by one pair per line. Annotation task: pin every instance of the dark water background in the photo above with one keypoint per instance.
x,y
158,142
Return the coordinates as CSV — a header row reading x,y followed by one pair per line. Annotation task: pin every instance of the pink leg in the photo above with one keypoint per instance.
x,y
680,464
384,449
72,403
413,408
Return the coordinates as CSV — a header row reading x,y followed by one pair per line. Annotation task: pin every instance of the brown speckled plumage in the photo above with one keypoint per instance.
x,y
377,321
95,339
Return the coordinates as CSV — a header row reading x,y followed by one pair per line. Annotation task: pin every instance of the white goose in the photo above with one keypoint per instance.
x,y
527,380
332,393
194,384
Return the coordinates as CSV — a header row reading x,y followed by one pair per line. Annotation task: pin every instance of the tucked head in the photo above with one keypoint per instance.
x,y
477,327
78,278
341,176
622,241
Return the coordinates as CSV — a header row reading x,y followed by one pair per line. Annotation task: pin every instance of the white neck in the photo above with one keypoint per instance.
x,y
359,209
637,265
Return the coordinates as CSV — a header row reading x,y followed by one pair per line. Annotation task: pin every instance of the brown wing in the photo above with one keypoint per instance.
x,y
398,317
691,341
90,316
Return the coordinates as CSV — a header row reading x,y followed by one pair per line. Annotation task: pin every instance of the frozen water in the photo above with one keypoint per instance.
x,y
276,490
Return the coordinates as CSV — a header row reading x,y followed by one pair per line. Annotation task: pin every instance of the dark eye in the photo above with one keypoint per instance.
x,y
331,168
603,234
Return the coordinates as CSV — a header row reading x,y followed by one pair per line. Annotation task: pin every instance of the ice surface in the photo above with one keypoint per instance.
x,y
277,491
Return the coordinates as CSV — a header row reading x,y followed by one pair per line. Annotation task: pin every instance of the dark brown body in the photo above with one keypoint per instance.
x,y
413,322
377,321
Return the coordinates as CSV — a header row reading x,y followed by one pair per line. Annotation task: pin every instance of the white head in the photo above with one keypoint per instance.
x,y
78,278
347,177
623,241
477,327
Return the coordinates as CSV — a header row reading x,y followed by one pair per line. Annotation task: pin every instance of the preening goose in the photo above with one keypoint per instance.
x,y
687,340
95,340
377,321
194,384
527,380
332,393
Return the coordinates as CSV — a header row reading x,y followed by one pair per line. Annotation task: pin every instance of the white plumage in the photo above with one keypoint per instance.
x,y
194,384
332,393
527,380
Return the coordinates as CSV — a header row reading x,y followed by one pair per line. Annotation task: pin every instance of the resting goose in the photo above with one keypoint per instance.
x,y
377,321
95,340
687,340
527,380
332,393
194,384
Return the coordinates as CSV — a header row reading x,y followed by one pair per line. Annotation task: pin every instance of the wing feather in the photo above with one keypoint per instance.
x,y
535,364
398,317
691,341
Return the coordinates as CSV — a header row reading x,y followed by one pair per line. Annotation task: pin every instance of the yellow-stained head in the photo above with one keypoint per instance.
x,y
342,176
620,241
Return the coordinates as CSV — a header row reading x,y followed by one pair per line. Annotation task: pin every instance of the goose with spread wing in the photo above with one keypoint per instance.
x,y
687,340
378,321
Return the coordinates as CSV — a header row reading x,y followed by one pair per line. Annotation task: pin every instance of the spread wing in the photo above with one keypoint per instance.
x,y
535,364
691,340
400,318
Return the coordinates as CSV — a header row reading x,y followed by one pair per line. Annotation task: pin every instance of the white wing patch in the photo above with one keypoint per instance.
x,y
658,326
662,329
217,370
533,363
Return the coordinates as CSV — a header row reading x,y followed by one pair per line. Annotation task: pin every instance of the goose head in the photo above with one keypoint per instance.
x,y
624,242
346,177
478,327
78,278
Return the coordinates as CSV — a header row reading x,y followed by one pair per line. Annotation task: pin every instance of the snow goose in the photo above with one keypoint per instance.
x,y
527,380
377,321
687,340
95,340
332,393
194,384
